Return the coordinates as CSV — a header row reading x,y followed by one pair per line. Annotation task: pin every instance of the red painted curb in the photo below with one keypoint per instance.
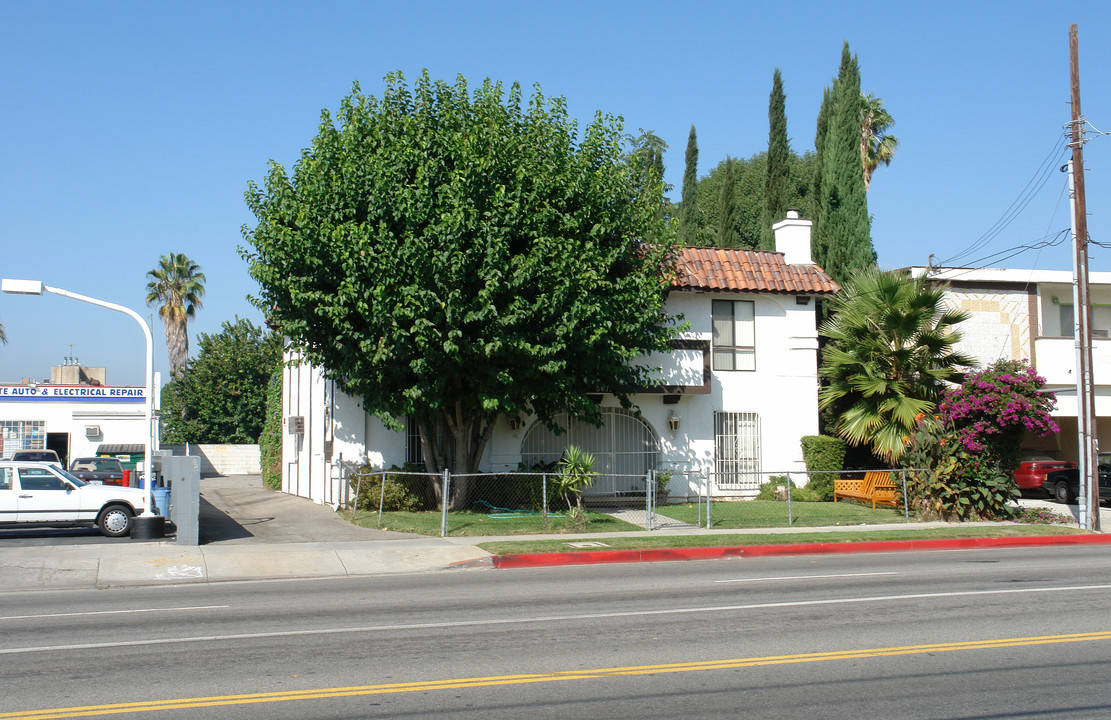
x,y
597,557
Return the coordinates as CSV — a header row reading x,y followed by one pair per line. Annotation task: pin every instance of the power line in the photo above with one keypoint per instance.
x,y
1006,254
1033,187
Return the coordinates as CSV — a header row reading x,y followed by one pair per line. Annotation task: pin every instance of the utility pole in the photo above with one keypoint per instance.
x,y
1082,307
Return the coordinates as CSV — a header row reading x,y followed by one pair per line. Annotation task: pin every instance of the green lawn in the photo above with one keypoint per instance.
x,y
773,513
725,540
725,515
468,523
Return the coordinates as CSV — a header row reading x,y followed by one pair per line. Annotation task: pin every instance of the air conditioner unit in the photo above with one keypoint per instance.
x,y
92,431
295,425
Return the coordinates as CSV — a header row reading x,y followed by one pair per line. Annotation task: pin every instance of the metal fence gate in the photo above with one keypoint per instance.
x,y
625,448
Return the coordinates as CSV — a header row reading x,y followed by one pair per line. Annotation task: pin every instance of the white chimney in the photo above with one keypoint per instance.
x,y
792,238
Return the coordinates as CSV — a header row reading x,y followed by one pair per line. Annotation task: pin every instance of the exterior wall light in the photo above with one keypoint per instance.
x,y
673,421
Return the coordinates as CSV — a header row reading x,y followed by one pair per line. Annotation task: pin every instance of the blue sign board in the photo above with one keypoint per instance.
x,y
71,393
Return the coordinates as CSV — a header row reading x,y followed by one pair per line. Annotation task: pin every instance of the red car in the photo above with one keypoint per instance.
x,y
1030,473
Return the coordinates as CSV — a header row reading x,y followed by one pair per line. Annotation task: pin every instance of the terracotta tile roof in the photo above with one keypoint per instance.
x,y
708,269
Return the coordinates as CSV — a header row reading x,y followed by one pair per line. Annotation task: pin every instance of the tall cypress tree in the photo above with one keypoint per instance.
x,y
844,225
727,209
688,213
777,171
818,250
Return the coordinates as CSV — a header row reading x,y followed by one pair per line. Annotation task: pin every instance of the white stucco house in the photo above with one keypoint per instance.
x,y
738,391
1023,314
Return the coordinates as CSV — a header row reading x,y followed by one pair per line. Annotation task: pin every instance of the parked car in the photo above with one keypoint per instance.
x,y
42,494
1031,472
1064,485
48,456
107,471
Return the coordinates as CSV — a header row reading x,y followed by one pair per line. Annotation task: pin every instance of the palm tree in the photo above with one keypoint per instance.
x,y
3,335
890,349
176,287
876,145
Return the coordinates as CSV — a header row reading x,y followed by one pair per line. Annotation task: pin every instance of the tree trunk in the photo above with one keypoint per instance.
x,y
469,435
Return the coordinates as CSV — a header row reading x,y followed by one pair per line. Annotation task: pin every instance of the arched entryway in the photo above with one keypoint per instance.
x,y
625,448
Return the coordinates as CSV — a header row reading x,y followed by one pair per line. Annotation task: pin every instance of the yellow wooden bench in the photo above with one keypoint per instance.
x,y
875,487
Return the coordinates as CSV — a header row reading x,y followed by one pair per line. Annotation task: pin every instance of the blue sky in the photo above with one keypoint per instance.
x,y
131,130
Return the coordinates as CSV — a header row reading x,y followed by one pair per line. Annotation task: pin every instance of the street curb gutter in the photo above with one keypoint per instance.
x,y
597,557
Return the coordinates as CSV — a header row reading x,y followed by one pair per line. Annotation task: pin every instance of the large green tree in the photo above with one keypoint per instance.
x,y
455,257
748,198
176,287
889,351
647,153
221,396
727,204
688,211
844,226
818,250
777,169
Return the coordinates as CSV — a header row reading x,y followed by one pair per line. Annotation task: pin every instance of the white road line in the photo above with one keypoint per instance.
x,y
112,612
805,577
543,619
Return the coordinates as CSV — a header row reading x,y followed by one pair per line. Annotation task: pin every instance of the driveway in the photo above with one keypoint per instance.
x,y
234,509
238,509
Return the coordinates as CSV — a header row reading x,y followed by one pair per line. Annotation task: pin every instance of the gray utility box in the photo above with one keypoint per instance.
x,y
182,475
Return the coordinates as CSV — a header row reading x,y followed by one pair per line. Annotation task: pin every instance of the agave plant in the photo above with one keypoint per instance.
x,y
575,473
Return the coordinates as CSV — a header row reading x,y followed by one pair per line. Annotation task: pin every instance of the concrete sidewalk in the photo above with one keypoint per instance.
x,y
250,533
157,563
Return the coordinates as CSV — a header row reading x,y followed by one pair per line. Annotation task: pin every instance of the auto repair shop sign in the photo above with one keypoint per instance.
x,y
71,393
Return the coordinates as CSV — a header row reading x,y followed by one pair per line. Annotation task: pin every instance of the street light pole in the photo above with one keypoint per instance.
x,y
35,287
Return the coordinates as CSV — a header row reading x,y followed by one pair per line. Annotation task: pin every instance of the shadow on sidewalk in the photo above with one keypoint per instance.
x,y
217,526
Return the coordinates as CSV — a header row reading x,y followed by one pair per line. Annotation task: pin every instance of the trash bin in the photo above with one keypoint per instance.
x,y
162,501
126,482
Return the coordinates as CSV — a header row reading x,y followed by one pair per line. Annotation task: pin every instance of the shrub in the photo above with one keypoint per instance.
x,y
947,484
409,493
270,441
776,489
663,483
971,446
821,452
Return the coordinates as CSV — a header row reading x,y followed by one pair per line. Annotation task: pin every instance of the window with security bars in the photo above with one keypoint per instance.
x,y
737,450
734,334
414,455
18,435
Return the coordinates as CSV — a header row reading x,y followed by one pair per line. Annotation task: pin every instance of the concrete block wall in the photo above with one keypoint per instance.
x,y
222,459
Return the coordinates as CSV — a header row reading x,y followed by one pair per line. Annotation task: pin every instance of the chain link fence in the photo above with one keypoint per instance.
x,y
794,497
520,503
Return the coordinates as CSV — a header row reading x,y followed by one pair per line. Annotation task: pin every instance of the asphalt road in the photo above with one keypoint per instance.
x,y
971,634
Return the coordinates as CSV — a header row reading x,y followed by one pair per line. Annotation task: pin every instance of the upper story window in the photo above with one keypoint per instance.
x,y
1101,321
734,334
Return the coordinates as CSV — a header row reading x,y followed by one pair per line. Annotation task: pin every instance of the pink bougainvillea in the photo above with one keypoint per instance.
x,y
996,406
963,456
